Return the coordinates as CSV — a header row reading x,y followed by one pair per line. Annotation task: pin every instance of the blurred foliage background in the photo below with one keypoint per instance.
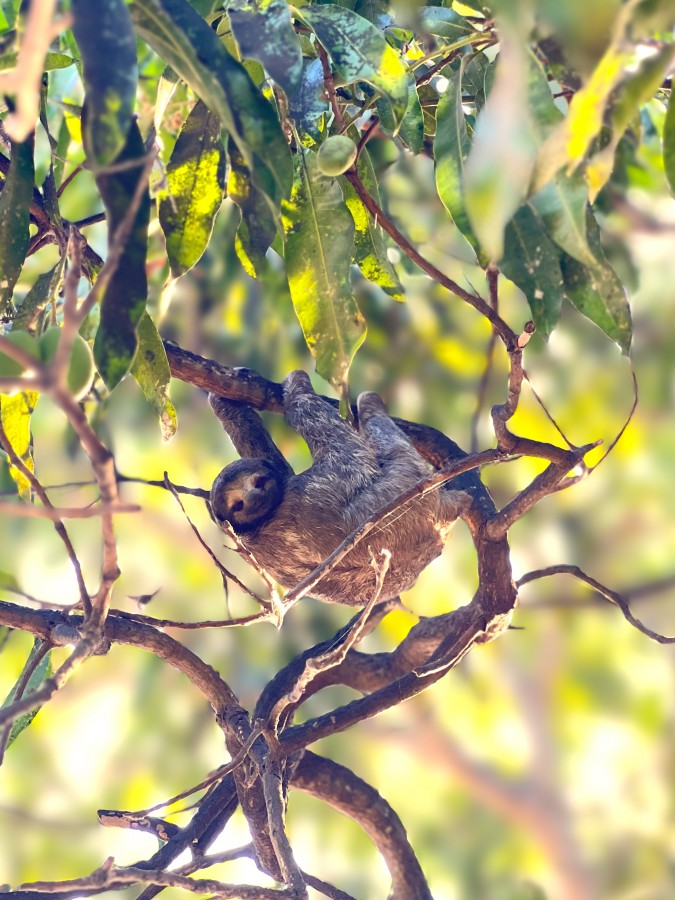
x,y
544,763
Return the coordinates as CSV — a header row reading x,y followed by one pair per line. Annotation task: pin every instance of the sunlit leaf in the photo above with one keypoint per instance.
x,y
107,42
196,179
531,261
257,229
15,200
264,32
42,670
636,89
361,53
318,241
597,292
184,40
370,250
15,412
124,298
151,371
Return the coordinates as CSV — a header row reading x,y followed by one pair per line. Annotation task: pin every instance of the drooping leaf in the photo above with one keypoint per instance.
x,y
165,87
182,38
451,148
151,370
635,90
196,179
308,106
105,36
257,229
264,31
126,293
42,670
531,261
597,292
318,240
361,53
370,250
669,143
411,129
15,412
498,170
44,290
15,200
445,23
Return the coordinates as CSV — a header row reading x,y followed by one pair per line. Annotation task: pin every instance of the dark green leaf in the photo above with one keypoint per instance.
x,y
531,261
361,53
151,371
318,237
597,292
411,129
124,298
107,42
196,179
264,32
256,230
184,40
42,671
15,200
451,148
376,11
308,106
445,23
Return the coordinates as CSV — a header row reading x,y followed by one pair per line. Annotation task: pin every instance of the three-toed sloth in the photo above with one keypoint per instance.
x,y
291,523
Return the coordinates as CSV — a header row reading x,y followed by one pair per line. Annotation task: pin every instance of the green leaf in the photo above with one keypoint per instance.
x,y
257,229
15,413
669,142
445,23
451,148
42,671
308,106
107,42
196,178
264,31
151,371
44,290
499,167
52,61
15,201
184,40
318,237
597,292
531,262
126,293
370,250
411,130
361,53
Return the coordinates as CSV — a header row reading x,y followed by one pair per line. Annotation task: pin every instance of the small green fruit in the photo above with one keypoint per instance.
x,y
9,368
336,155
81,370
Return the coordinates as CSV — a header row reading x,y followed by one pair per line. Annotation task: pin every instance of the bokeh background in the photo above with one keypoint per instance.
x,y
544,763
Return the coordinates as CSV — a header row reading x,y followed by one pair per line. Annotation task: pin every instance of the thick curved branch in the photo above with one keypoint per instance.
x,y
343,790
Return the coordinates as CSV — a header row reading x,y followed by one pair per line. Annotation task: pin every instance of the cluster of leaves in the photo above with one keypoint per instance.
x,y
526,130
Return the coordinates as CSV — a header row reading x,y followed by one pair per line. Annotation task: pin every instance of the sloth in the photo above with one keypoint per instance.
x,y
291,523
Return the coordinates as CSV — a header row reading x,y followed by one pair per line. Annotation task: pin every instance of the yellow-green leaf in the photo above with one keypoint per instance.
x,y
15,412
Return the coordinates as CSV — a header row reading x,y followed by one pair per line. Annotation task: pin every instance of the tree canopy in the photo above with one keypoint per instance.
x,y
465,207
